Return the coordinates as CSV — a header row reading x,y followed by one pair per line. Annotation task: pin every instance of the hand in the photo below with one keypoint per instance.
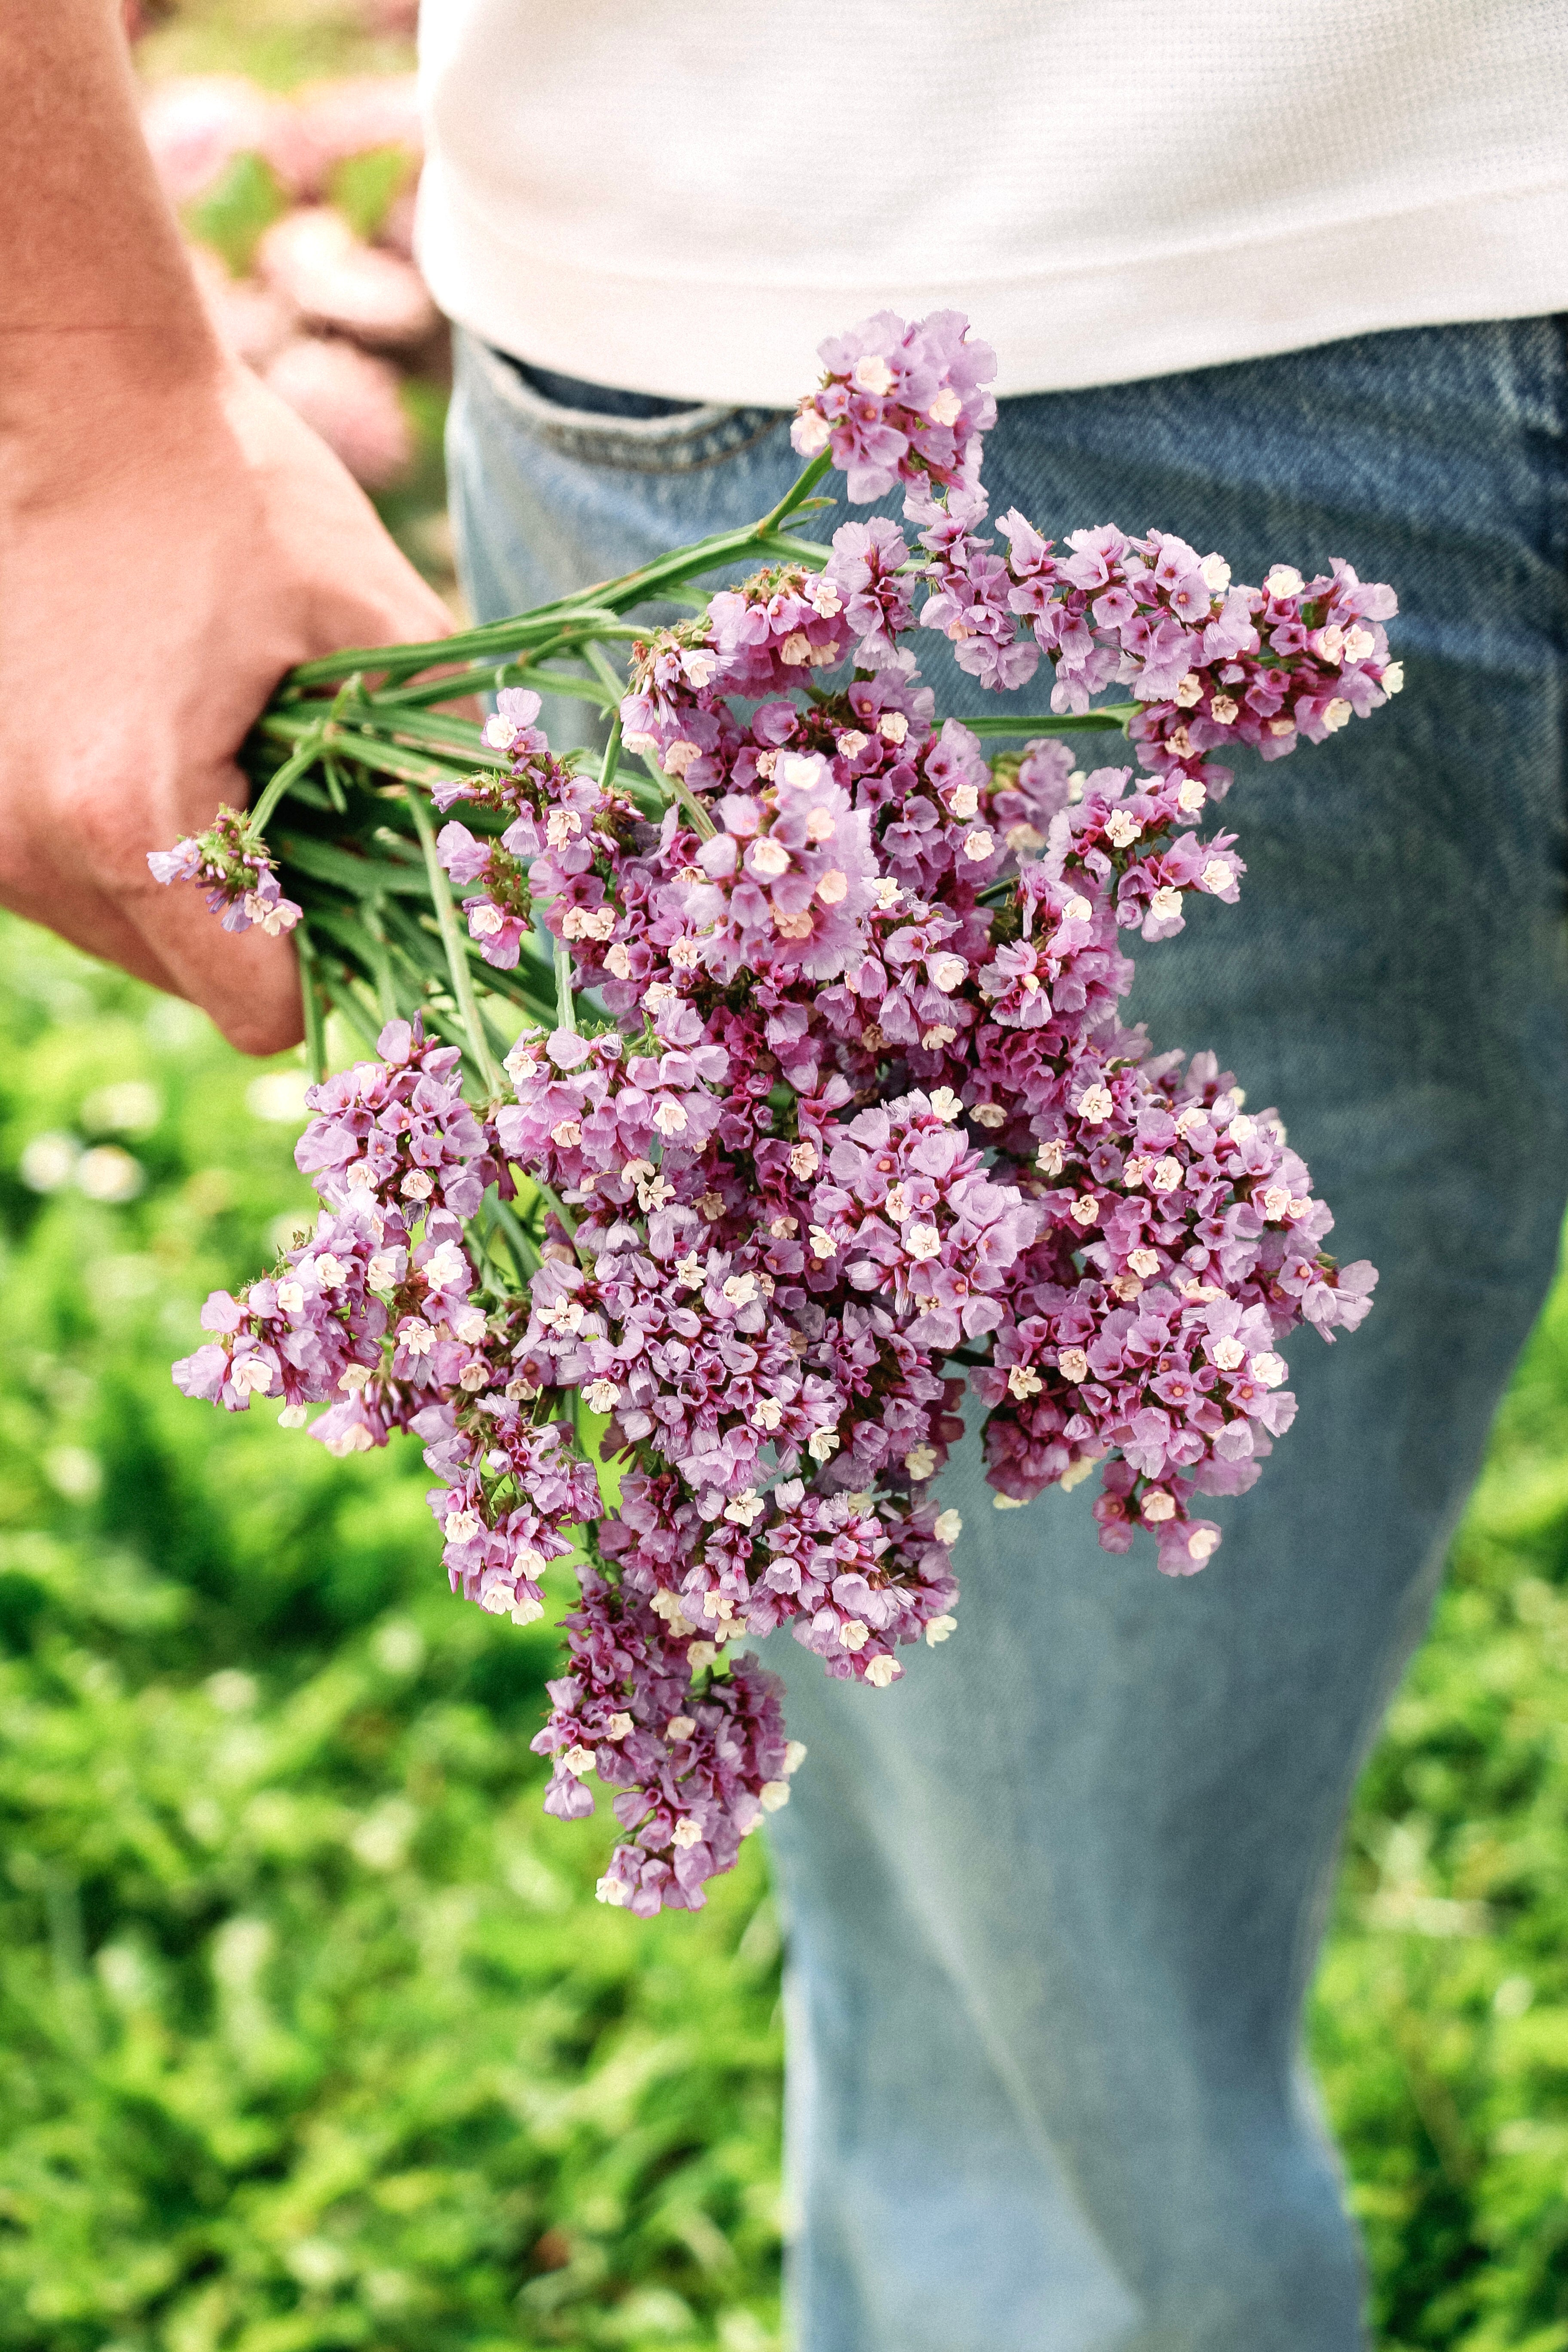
x,y
168,554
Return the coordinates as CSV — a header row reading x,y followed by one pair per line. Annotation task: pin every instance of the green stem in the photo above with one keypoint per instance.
x,y
565,1008
480,678
1111,717
611,758
553,1201
442,731
292,768
594,611
346,1000
530,991
484,677
584,689
526,1257
375,931
490,676
605,671
783,546
315,1031
676,789
600,662
457,955
801,489
389,662
368,750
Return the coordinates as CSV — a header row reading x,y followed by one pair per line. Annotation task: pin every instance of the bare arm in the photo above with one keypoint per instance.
x,y
172,539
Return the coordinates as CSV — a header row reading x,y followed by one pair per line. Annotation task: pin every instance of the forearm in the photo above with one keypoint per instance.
x,y
96,302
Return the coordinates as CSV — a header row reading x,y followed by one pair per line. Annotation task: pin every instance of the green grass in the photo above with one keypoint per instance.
x,y
315,2035
1440,2021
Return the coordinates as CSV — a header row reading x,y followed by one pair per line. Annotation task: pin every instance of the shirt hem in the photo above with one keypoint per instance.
x,y
1470,259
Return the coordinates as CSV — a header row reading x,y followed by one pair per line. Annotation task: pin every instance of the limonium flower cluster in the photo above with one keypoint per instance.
x,y
821,1112
232,861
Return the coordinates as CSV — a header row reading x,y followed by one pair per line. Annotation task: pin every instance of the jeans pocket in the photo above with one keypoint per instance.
x,y
676,444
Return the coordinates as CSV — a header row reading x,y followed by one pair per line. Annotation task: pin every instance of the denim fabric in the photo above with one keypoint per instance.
x,y
596,399
1053,1899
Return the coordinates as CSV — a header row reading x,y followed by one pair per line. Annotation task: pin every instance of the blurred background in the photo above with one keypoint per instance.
x,y
313,2033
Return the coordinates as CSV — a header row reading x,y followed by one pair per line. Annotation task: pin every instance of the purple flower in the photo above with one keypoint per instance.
x,y
235,866
846,1116
900,402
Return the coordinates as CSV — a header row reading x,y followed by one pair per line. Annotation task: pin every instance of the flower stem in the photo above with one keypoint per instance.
x,y
597,614
526,1257
611,758
565,1008
557,1206
801,489
457,955
676,789
1111,716
315,1030
293,768
375,931
605,671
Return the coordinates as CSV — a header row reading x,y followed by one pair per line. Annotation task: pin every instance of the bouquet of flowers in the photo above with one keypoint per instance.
x,y
736,1098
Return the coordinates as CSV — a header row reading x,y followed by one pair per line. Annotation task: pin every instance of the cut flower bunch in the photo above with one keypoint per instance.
x,y
820,1107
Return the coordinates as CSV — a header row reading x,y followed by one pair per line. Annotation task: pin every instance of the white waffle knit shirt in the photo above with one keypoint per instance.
x,y
684,196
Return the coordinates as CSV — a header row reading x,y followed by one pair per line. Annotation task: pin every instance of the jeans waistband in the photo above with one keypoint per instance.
x,y
628,431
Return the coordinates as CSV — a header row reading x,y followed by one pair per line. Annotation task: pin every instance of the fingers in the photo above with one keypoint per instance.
x,y
360,588
203,576
390,605
247,983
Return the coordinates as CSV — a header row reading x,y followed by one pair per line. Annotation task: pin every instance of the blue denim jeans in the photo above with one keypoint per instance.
x,y
1054,1900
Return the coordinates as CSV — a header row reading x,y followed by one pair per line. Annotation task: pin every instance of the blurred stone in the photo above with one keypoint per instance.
x,y
312,259
129,1107
195,125
49,1161
335,120
278,1096
351,400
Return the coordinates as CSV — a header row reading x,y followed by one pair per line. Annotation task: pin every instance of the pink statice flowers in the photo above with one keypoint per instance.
x,y
838,1120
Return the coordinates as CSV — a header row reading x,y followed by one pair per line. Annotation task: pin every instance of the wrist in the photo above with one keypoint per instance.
x,y
97,290
76,407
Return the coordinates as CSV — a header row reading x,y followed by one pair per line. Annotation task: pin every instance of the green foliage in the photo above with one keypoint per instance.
x,y
364,187
415,507
1440,2024
315,2035
279,43
235,213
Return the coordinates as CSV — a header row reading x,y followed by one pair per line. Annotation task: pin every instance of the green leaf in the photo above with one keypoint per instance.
x,y
234,216
364,187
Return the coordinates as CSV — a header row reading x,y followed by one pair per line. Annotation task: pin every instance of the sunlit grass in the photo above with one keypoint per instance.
x,y
316,2035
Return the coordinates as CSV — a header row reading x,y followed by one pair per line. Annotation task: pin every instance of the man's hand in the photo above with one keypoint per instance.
x,y
172,539
149,601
